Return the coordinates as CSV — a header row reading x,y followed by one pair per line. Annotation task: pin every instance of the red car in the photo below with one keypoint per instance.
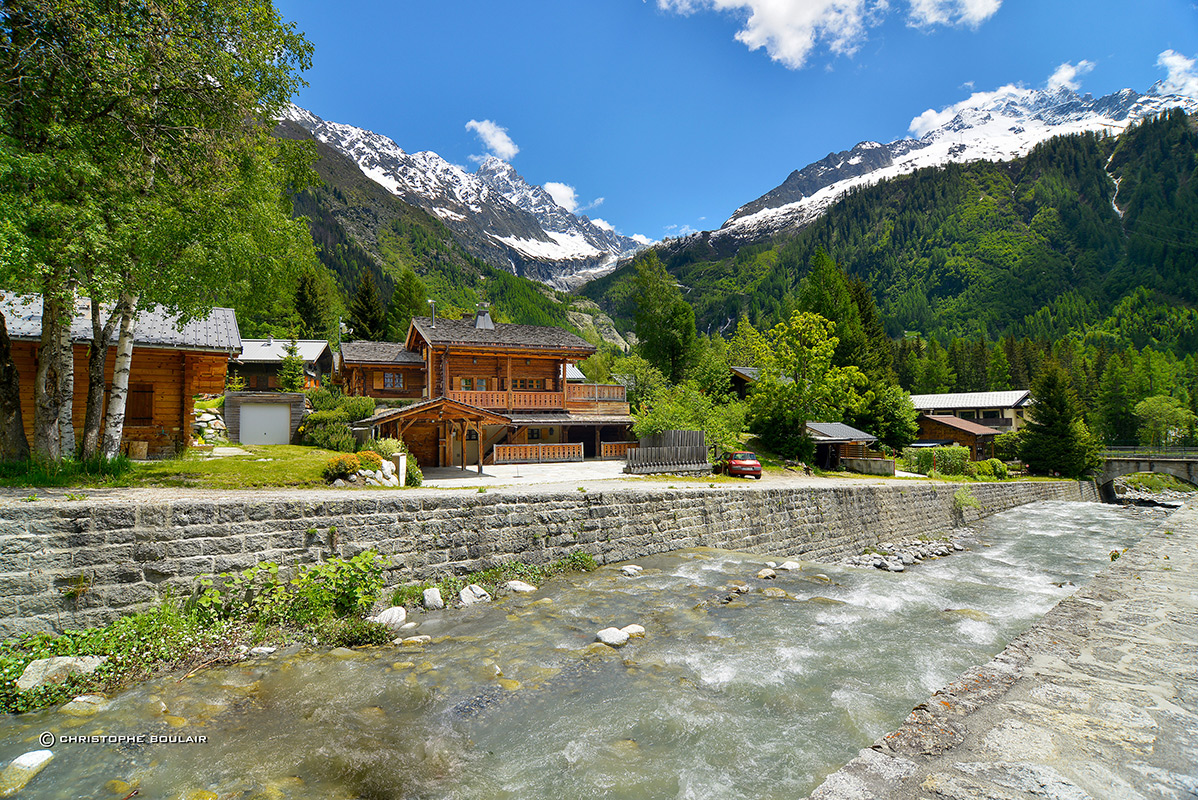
x,y
742,465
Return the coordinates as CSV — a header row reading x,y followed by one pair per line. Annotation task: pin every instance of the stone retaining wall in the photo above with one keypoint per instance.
x,y
71,564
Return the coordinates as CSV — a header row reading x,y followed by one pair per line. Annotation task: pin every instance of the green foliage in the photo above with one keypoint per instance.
x,y
889,414
367,315
342,466
1055,439
641,379
408,300
67,472
350,632
944,460
322,399
332,416
291,369
386,448
1007,445
1163,420
997,468
665,323
686,407
963,498
413,476
358,407
370,460
494,578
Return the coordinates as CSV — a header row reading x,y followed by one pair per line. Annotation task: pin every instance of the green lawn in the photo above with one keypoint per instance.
x,y
281,465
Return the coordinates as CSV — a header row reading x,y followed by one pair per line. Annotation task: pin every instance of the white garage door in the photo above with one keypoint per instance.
x,y
265,423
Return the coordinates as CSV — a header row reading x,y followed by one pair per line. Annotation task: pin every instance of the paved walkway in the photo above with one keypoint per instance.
x,y
1098,700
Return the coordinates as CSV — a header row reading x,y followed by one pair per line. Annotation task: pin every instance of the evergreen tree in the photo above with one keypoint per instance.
x,y
409,299
291,368
1114,417
998,371
367,316
665,324
1055,438
311,304
935,375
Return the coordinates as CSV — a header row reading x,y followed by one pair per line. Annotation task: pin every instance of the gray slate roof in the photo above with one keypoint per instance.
x,y
155,328
273,350
838,432
1016,398
378,353
503,334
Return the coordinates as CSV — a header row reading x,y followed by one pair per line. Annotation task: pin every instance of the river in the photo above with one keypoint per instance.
x,y
753,695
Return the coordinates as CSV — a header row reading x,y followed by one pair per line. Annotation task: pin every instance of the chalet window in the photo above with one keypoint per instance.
x,y
528,384
471,435
392,380
990,413
534,433
480,384
139,406
968,415
466,384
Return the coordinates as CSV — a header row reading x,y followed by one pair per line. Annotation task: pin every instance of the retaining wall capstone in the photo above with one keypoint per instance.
x,y
83,563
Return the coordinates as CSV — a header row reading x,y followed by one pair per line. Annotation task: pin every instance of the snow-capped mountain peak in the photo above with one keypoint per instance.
x,y
992,126
494,213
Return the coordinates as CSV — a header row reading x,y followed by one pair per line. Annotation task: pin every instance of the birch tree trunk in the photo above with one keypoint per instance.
x,y
97,356
52,410
114,420
13,444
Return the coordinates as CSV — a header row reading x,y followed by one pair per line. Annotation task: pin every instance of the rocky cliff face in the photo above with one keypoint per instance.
x,y
494,213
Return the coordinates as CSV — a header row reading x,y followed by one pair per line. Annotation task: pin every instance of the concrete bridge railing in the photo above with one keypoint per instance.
x,y
1181,463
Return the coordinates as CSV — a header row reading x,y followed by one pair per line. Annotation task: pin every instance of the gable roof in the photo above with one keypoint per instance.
x,y
502,335
378,353
155,327
832,432
963,425
1016,398
273,350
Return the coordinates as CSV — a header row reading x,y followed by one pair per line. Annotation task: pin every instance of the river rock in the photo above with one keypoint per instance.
x,y
414,641
85,705
767,574
22,770
634,631
632,570
393,617
431,598
474,594
262,651
612,637
409,626
56,670
790,566
519,587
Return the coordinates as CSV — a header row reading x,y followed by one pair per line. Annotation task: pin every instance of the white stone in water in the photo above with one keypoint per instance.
x,y
22,770
393,617
57,670
432,598
262,651
772,564
612,637
474,594
634,631
414,640
766,574
409,626
632,570
85,705
790,565
520,587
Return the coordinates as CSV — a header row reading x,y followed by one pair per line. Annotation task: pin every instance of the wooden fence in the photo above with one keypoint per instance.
x,y
669,451
537,453
612,450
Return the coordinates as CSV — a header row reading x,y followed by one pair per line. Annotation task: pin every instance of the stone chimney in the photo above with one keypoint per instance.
x,y
482,317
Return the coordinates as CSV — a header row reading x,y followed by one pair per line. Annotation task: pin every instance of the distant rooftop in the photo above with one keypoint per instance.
x,y
155,327
378,353
500,334
1016,398
273,350
964,425
834,432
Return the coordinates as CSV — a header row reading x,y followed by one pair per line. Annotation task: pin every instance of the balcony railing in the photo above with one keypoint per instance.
x,y
615,449
508,399
537,453
596,392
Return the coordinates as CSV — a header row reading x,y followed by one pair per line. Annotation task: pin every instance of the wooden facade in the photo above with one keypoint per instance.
x,y
978,438
162,384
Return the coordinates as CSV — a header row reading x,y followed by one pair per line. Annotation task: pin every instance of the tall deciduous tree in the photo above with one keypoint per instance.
x,y
665,323
1163,419
141,125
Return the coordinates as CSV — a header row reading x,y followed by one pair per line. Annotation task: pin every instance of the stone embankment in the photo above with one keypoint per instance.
x,y
1098,700
79,563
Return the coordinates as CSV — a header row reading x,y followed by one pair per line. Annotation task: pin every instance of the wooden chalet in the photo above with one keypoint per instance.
x,y
171,364
935,429
261,359
384,370
836,442
490,392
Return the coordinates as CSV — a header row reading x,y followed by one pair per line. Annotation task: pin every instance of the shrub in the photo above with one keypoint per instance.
x,y
357,407
998,468
947,460
351,632
413,477
322,399
331,437
337,588
370,460
983,469
331,416
385,447
963,498
341,466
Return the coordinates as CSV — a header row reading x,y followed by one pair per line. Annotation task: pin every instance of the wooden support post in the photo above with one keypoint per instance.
x,y
479,429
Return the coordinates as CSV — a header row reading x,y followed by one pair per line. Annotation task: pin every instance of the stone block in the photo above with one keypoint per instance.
x,y
221,546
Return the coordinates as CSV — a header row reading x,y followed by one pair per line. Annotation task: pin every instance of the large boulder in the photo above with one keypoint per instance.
x,y
431,598
57,669
474,594
394,617
22,770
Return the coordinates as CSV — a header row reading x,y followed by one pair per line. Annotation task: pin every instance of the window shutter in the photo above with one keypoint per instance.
x,y
378,380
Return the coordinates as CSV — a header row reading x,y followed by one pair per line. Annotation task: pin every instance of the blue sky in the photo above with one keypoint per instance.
x,y
663,116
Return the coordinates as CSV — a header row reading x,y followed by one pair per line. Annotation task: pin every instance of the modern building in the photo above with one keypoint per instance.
x,y
1003,411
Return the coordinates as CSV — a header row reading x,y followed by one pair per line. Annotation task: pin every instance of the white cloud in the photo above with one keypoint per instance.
x,y
495,138
640,238
1181,77
562,194
969,13
602,224
933,119
1066,75
790,29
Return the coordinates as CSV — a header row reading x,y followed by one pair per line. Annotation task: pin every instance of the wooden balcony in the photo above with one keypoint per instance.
x,y
609,397
537,453
509,400
579,397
